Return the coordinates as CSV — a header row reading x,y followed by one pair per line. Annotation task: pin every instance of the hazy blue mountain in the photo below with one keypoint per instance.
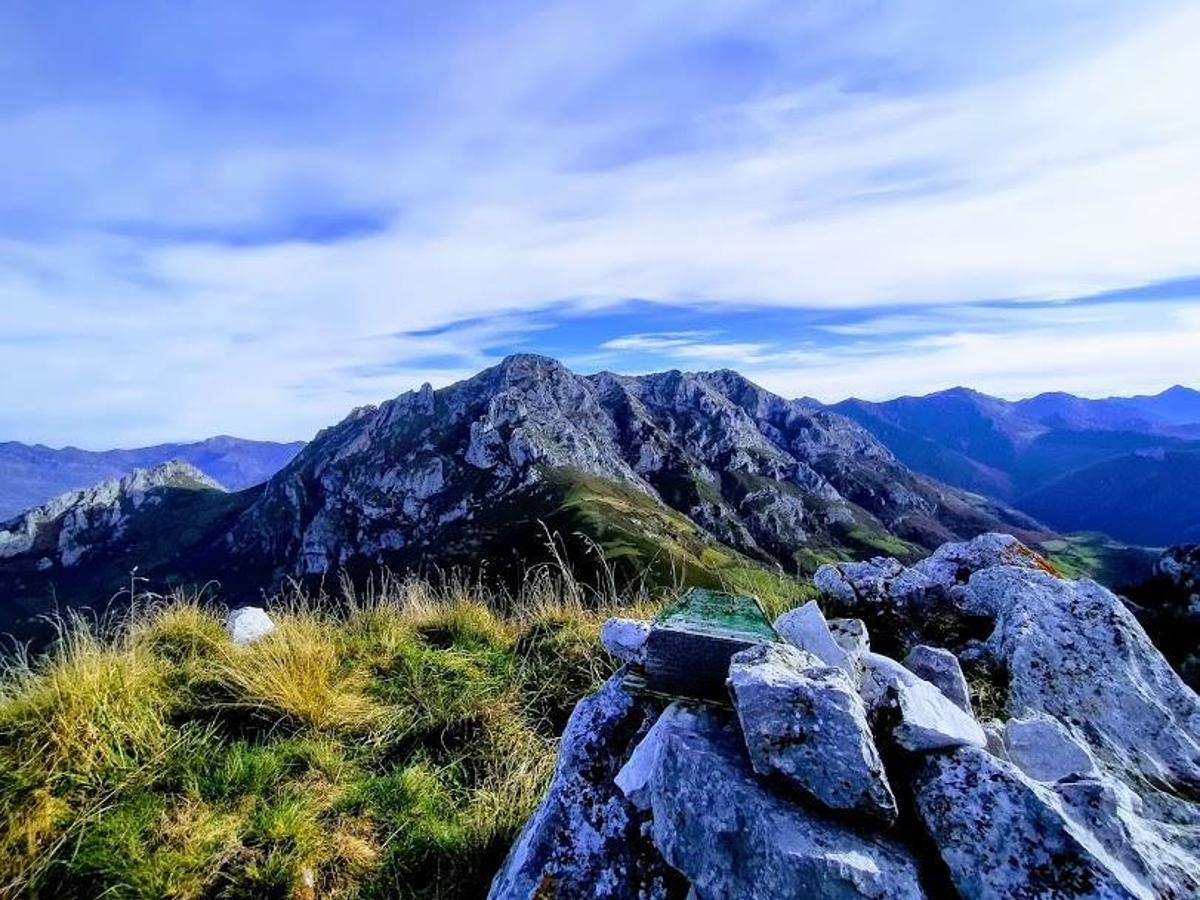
x,y
1157,413
32,474
1152,497
1072,462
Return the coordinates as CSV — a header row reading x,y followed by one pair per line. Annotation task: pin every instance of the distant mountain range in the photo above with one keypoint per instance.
x,y
704,477
33,474
1129,467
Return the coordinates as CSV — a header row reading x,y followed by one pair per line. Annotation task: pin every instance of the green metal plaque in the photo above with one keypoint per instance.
x,y
691,642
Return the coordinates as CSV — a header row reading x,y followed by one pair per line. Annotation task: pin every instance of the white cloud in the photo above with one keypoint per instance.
x,y
1070,175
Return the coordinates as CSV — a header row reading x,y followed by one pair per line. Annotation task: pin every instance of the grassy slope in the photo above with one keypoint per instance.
x,y
388,747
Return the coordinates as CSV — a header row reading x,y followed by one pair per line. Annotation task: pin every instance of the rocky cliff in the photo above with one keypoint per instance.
x,y
1032,742
432,472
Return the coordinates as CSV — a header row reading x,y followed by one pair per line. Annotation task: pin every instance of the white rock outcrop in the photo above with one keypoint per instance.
x,y
804,723
1074,652
941,669
919,716
1002,835
731,836
585,838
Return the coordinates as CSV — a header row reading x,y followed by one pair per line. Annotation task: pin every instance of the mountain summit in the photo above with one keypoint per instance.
x,y
704,474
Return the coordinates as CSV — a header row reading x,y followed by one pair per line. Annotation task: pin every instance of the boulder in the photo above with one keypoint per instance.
x,y
1164,855
731,836
1002,835
919,716
1074,652
805,628
804,723
625,638
585,838
248,624
954,563
851,635
941,669
881,581
1042,748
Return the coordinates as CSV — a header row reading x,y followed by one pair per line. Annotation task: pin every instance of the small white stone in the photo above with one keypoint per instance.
x,y
928,720
248,624
941,669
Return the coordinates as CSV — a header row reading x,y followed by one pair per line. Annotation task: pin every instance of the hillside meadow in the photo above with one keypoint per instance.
x,y
386,742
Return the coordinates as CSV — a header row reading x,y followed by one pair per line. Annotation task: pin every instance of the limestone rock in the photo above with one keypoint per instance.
x,y
806,629
941,669
803,722
919,716
879,581
1073,651
1042,748
732,837
1002,835
954,563
625,638
585,838
851,635
248,624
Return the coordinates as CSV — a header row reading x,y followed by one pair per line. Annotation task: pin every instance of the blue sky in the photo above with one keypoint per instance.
x,y
251,217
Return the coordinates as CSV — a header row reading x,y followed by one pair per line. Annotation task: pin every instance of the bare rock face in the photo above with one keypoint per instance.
x,y
1042,748
919,717
731,836
941,669
1074,652
756,472
803,722
1003,836
74,525
585,839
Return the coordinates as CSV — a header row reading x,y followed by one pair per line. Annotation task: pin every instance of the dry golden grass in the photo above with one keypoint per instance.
x,y
388,741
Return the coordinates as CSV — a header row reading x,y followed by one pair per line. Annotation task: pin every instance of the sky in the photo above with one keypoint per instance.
x,y
251,217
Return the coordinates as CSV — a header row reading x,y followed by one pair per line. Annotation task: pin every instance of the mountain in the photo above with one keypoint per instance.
x,y
1155,413
701,476
1152,495
32,474
82,545
1069,461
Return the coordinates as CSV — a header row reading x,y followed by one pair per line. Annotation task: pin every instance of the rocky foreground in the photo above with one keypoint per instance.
x,y
1021,738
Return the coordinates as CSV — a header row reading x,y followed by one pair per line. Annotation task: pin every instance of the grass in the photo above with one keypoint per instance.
x,y
384,743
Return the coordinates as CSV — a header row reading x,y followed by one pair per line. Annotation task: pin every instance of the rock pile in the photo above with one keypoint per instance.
x,y
839,772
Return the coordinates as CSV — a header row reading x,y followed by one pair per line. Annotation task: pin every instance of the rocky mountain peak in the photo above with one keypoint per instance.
x,y
73,524
756,472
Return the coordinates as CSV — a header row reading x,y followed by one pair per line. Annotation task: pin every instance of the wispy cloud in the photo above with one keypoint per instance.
x,y
218,237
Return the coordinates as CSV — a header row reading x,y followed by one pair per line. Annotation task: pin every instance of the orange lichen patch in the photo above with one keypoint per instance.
x,y
1039,561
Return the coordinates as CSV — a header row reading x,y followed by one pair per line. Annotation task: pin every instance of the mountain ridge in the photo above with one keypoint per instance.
x,y
32,474
706,474
1056,456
